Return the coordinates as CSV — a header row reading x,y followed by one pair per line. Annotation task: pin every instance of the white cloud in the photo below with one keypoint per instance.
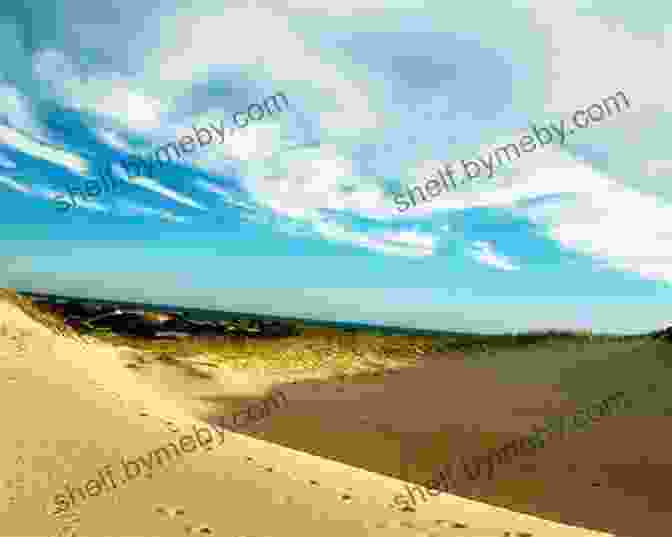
x,y
340,9
254,142
422,242
225,195
155,186
19,187
405,243
622,228
47,193
92,206
618,53
106,94
483,252
658,167
121,101
617,59
113,139
42,151
187,56
548,171
129,208
19,113
312,179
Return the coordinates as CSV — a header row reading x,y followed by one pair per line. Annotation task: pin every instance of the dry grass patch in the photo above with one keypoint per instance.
x,y
316,349
54,322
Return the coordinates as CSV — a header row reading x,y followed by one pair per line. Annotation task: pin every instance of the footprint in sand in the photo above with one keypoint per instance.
x,y
200,530
190,528
67,531
170,425
170,512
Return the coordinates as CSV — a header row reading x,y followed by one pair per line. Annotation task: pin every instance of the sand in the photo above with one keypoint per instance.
x,y
72,407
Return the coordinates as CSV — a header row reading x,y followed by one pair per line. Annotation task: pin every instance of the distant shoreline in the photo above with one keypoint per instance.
x,y
213,315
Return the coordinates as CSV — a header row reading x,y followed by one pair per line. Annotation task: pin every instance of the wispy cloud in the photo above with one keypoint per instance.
x,y
113,139
620,227
483,252
18,112
316,178
129,208
20,142
188,57
224,194
15,186
404,243
106,94
155,186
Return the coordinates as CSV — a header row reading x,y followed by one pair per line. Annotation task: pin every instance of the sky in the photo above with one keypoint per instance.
x,y
294,214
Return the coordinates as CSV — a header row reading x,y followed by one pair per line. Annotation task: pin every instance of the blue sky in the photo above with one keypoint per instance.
x,y
570,236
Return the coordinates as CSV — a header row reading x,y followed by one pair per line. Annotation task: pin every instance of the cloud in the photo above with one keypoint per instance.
x,y
155,186
20,142
113,139
342,9
228,198
615,49
106,94
548,171
313,179
129,208
185,56
626,55
92,206
47,193
658,167
19,113
621,228
404,243
483,252
584,211
15,186
422,243
255,142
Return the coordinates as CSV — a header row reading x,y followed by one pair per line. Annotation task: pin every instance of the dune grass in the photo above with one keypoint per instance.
x,y
52,321
316,348
342,352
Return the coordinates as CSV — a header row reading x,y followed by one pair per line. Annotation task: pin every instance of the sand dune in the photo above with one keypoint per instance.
x,y
70,408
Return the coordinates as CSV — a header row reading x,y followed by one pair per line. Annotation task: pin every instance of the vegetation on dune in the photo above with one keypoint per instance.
x,y
341,353
52,321
347,352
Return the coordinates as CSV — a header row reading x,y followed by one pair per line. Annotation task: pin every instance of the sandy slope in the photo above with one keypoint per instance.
x,y
613,476
70,408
